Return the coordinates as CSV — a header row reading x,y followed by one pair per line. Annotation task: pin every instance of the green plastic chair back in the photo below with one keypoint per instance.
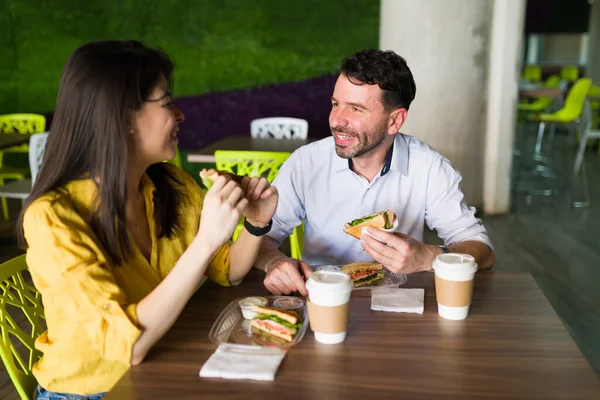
x,y
532,73
22,123
251,163
573,104
18,296
569,73
257,164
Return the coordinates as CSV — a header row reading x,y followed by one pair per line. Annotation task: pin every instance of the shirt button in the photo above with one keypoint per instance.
x,y
106,306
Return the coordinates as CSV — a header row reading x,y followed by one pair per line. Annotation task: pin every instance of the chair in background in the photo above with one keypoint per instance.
x,y
18,296
569,114
570,73
255,164
543,102
279,128
20,189
533,73
17,124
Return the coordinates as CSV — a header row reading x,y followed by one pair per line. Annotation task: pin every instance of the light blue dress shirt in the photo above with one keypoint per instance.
x,y
318,187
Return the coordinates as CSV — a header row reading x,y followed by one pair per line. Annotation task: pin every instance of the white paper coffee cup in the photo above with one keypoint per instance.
x,y
454,275
328,305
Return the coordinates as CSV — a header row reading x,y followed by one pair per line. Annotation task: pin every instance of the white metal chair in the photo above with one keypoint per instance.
x,y
20,189
279,128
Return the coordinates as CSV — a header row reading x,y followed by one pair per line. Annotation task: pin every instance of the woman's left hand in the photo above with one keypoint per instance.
x,y
262,201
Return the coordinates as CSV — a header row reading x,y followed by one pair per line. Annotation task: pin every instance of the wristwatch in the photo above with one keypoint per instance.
x,y
444,249
253,230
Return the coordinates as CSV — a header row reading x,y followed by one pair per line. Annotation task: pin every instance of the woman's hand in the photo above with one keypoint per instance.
x,y
223,206
262,201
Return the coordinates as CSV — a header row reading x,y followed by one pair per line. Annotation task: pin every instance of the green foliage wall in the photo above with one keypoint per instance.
x,y
216,45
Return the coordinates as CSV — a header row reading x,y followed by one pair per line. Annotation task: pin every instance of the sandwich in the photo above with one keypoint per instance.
x,y
260,338
278,322
382,220
209,176
364,273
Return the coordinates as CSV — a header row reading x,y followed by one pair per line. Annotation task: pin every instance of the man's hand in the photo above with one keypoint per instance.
x,y
285,276
406,255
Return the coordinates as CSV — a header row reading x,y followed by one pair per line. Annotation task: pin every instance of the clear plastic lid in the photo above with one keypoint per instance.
x,y
329,280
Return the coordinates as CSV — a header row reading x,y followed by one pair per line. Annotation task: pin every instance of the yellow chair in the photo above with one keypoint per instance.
x,y
595,104
570,113
569,73
255,164
23,124
532,73
16,295
541,103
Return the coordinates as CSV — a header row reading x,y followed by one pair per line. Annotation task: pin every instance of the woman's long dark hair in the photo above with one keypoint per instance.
x,y
102,84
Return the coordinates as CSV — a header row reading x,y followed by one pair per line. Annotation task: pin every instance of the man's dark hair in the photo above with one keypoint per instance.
x,y
387,70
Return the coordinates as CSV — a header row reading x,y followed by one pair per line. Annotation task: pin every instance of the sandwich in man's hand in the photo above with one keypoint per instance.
x,y
382,220
364,273
277,322
209,176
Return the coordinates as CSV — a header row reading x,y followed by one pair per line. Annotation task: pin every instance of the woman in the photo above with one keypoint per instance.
x,y
118,240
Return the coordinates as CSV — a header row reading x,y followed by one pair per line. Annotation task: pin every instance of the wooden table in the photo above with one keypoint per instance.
x,y
207,154
539,91
8,140
512,345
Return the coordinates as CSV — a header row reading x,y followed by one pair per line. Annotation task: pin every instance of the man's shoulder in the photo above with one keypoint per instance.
x,y
420,153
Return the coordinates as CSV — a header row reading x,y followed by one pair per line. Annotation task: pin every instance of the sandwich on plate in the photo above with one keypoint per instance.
x,y
277,322
209,176
382,220
364,273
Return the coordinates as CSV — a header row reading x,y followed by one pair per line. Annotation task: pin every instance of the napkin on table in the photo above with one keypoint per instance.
x,y
235,361
397,300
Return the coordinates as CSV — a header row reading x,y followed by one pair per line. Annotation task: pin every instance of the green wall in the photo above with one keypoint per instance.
x,y
217,45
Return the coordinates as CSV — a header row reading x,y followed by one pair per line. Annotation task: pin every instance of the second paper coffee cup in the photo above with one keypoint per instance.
x,y
454,275
328,305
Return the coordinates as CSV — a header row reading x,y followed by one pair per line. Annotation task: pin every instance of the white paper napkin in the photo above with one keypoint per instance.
x,y
397,300
235,361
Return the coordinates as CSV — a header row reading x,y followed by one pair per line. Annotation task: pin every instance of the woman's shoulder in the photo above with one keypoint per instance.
x,y
61,203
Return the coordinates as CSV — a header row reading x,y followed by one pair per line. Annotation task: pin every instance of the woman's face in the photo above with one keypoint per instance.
x,y
155,127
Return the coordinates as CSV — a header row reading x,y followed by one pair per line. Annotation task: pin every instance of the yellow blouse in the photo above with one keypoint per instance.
x,y
90,305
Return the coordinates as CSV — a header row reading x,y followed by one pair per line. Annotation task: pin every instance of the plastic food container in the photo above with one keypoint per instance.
x,y
231,326
247,303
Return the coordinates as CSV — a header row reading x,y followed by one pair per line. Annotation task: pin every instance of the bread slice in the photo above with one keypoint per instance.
x,y
290,316
378,220
257,325
209,176
375,270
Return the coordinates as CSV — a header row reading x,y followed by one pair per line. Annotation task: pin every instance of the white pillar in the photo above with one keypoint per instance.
x,y
502,96
447,46
593,53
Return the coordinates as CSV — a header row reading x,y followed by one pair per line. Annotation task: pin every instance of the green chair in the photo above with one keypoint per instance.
x,y
569,73
569,114
255,164
533,73
543,102
18,296
22,124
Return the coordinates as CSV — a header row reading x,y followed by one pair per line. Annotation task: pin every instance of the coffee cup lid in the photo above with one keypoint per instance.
x,y
455,262
329,280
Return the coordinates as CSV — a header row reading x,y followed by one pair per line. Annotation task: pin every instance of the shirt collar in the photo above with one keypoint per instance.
x,y
396,159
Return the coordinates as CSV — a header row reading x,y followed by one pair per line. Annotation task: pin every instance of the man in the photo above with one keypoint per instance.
x,y
367,167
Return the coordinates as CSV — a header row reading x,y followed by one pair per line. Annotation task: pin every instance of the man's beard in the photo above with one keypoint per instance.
x,y
368,142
